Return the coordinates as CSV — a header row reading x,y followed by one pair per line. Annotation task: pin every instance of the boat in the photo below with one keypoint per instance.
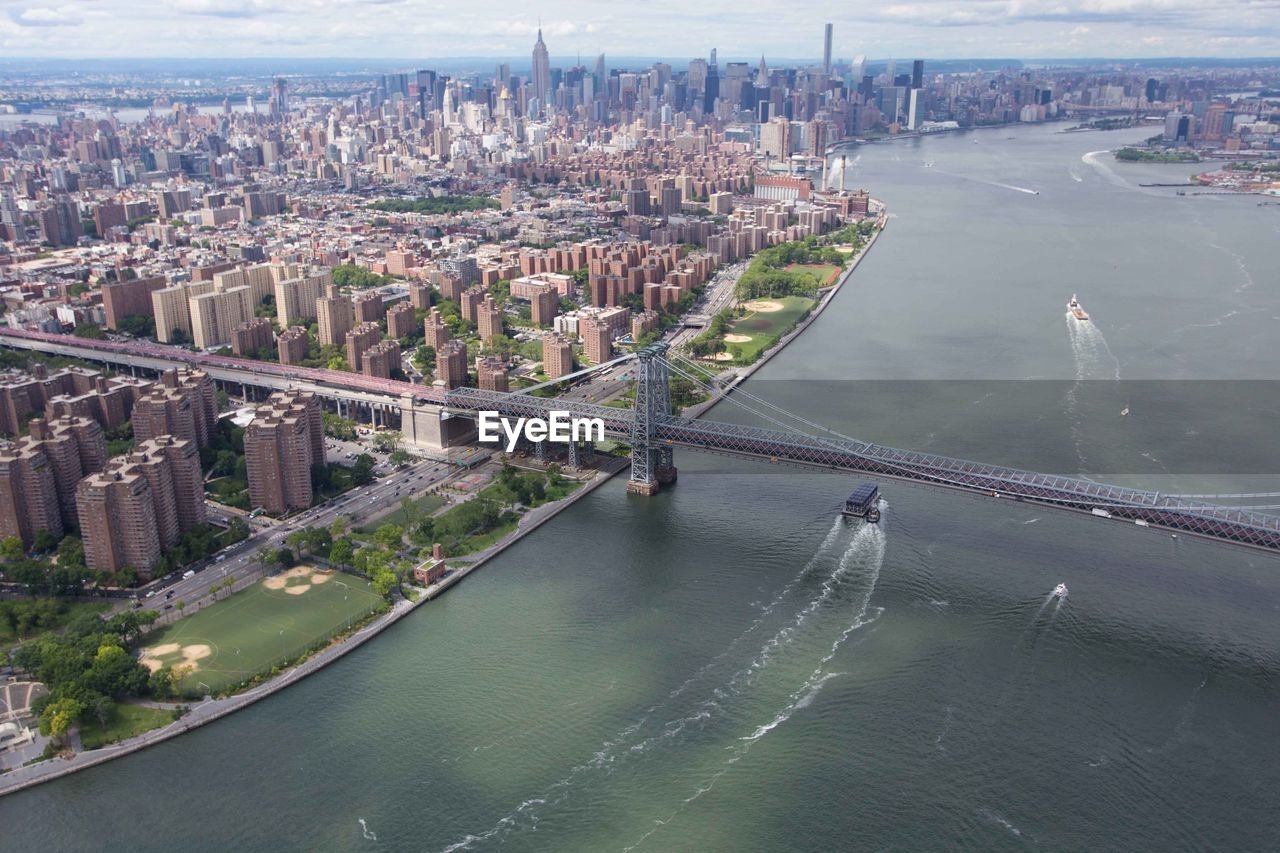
x,y
1060,590
1076,311
863,503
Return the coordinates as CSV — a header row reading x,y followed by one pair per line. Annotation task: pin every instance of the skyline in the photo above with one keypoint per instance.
x,y
939,29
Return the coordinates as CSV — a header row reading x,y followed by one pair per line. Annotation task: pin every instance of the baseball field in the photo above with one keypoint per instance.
x,y
265,625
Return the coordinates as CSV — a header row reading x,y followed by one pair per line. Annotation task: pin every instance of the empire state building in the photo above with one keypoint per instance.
x,y
541,72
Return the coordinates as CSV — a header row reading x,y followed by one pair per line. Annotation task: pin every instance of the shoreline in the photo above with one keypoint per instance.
x,y
745,373
209,710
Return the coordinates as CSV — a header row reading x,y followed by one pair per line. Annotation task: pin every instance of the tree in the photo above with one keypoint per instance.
x,y
362,471
11,549
389,536
387,440
58,717
341,552
237,530
89,330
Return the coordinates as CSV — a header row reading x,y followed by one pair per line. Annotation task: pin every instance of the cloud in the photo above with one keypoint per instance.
x,y
420,31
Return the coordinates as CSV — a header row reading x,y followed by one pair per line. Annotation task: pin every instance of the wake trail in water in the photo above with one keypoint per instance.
x,y
988,182
868,549
617,750
1093,360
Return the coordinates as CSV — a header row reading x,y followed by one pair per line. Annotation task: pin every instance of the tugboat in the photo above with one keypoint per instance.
x,y
863,503
1076,311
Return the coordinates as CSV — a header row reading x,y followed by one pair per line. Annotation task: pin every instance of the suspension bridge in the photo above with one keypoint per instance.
x,y
653,432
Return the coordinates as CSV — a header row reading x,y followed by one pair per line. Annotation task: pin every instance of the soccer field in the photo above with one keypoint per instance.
x,y
273,621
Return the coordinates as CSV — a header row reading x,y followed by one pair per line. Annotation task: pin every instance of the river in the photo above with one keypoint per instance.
x,y
727,666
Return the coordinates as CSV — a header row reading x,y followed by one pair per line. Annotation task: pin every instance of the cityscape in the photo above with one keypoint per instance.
x,y
842,451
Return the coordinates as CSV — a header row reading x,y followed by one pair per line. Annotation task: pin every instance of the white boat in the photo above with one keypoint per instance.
x,y
1060,590
1076,311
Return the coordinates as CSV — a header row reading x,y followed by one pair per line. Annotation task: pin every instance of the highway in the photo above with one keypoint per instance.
x,y
241,559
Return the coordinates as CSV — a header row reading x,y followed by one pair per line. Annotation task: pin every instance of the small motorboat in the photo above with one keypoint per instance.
x,y
1060,591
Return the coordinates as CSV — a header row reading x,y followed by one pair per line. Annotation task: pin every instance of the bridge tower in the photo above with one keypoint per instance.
x,y
652,464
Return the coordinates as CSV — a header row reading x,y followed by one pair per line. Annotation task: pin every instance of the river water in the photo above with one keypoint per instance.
x,y
727,666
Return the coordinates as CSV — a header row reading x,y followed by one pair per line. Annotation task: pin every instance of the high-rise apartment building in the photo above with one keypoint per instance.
x,y
140,504
252,336
358,340
451,363
400,318
597,340
369,307
296,297
215,315
545,305
335,316
435,330
489,320
292,345
557,356
182,404
381,359
122,299
28,493
491,374
281,443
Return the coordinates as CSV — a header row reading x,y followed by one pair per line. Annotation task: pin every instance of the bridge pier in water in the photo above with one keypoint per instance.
x,y
652,464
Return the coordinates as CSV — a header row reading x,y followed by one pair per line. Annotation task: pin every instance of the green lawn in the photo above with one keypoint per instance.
x,y
765,327
425,505
825,273
125,722
258,628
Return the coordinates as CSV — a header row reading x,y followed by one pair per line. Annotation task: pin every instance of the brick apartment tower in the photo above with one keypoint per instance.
x,y
291,345
281,443
359,339
451,364
557,356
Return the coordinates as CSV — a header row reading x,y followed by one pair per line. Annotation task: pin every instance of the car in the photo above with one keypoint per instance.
x,y
151,593
189,573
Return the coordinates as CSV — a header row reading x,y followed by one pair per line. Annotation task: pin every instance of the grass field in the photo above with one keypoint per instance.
x,y
271,622
425,505
763,328
825,273
125,722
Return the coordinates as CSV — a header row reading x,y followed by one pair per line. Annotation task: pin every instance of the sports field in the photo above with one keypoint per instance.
x,y
824,273
273,621
766,321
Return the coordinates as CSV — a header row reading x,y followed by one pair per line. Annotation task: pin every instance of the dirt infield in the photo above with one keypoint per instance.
x,y
764,306
736,339
298,580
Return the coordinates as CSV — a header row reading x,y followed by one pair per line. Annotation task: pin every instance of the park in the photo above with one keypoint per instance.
x,y
266,625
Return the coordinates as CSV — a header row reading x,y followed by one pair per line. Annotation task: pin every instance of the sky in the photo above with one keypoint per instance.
x,y
941,29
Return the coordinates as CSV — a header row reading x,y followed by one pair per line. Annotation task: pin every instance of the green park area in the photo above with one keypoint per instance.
x,y
267,625
825,273
760,327
125,721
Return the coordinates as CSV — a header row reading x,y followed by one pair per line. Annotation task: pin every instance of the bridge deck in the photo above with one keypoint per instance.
x,y
1216,522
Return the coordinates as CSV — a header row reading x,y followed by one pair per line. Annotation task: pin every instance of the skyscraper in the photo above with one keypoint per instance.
x,y
826,50
541,78
917,74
